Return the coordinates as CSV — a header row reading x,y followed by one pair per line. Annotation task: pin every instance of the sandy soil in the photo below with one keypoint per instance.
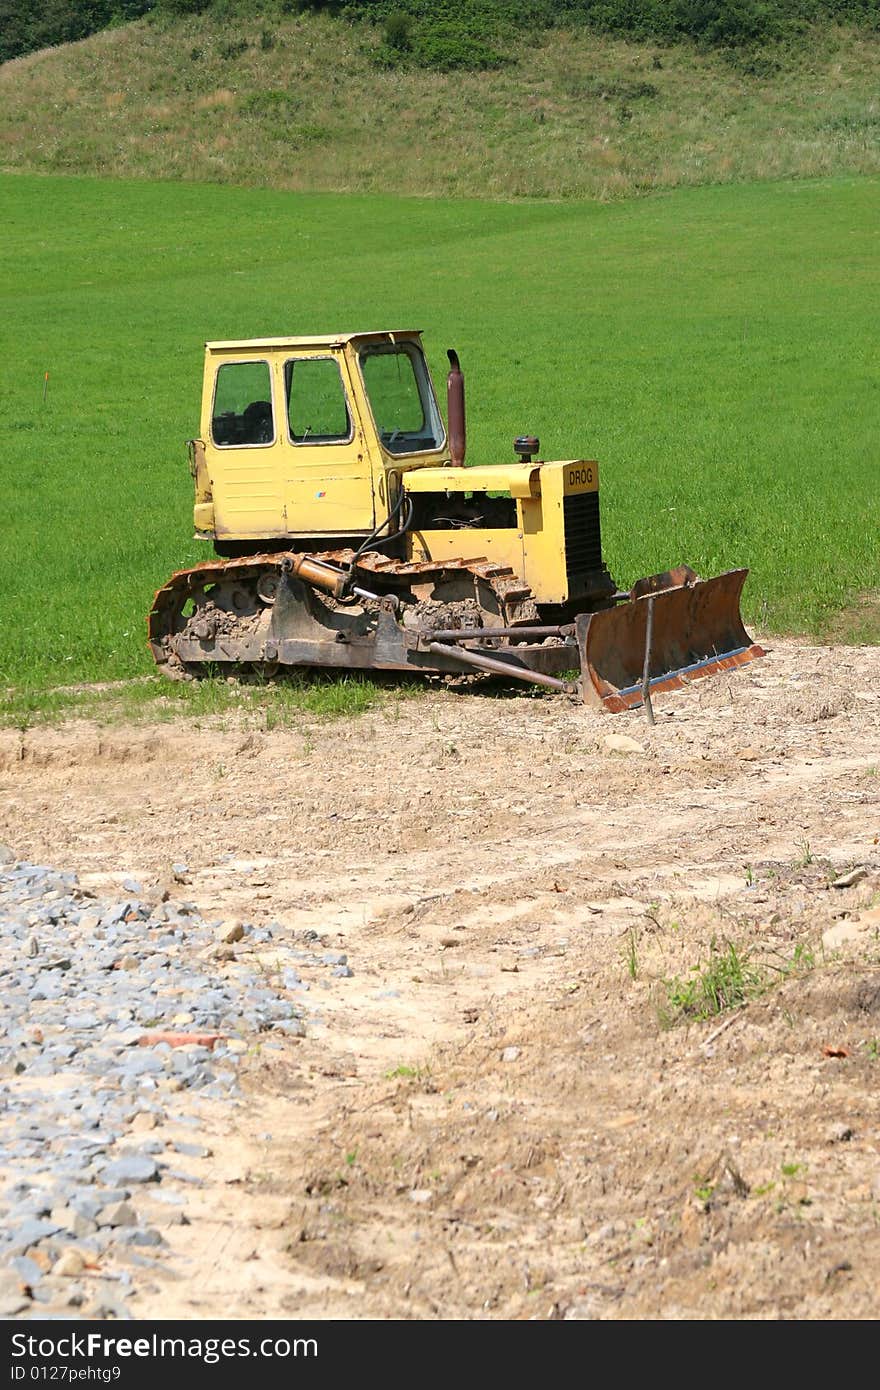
x,y
499,1116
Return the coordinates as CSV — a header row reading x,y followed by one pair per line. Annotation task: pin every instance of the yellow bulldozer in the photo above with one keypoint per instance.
x,y
348,533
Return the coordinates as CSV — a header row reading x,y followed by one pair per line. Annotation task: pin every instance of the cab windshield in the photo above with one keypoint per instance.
x,y
401,398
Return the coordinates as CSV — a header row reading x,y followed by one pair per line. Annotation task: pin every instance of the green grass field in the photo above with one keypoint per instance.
x,y
716,349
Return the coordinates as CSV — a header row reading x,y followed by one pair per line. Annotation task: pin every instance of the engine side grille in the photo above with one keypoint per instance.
x,y
583,545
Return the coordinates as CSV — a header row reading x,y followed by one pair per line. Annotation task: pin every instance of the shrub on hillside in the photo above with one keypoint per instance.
x,y
397,32
440,48
182,7
732,23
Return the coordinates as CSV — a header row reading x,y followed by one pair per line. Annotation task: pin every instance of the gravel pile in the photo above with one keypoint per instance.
x,y
119,1020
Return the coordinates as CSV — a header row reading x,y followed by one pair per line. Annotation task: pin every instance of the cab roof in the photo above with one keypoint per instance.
x,y
312,340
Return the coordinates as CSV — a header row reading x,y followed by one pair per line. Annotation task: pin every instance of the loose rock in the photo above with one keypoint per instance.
x,y
230,931
69,1264
622,743
848,880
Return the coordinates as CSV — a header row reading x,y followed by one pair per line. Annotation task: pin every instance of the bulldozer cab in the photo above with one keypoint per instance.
x,y
297,434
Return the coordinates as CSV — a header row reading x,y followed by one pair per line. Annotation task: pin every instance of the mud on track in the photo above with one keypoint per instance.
x,y
492,1120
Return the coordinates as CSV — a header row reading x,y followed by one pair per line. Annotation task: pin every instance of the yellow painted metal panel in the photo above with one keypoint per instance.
x,y
503,546
519,479
249,345
544,535
496,477
536,549
579,475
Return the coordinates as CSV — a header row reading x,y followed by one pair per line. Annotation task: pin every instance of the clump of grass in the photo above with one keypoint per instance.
x,y
729,978
726,980
802,961
405,1072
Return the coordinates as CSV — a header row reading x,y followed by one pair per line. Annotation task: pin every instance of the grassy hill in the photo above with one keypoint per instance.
x,y
298,102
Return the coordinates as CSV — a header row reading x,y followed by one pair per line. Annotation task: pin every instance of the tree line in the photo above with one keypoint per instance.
x,y
458,33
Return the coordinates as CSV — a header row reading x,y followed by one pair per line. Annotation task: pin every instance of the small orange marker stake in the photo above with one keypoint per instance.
x,y
45,387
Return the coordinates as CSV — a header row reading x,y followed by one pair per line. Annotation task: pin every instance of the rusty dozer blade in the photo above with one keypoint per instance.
x,y
696,631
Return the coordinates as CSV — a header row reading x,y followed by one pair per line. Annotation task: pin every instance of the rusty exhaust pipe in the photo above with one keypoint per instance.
x,y
455,410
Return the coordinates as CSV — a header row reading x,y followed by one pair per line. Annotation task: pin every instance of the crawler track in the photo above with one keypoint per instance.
x,y
224,608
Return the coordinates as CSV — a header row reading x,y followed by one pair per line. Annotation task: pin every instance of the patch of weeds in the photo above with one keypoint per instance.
x,y
805,855
793,1194
272,103
801,961
750,876
308,133
703,1189
853,124
274,704
22,709
612,89
752,63
874,1049
726,980
403,1073
643,1233
233,49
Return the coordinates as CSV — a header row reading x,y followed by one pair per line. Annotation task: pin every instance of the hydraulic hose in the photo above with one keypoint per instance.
x,y
374,538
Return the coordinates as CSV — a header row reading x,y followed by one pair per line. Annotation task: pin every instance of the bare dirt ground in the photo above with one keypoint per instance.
x,y
500,1116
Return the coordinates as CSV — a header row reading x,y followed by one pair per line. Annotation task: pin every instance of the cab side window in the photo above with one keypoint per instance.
x,y
317,412
243,405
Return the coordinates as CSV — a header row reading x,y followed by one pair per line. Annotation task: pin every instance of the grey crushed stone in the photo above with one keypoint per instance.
x,y
84,982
